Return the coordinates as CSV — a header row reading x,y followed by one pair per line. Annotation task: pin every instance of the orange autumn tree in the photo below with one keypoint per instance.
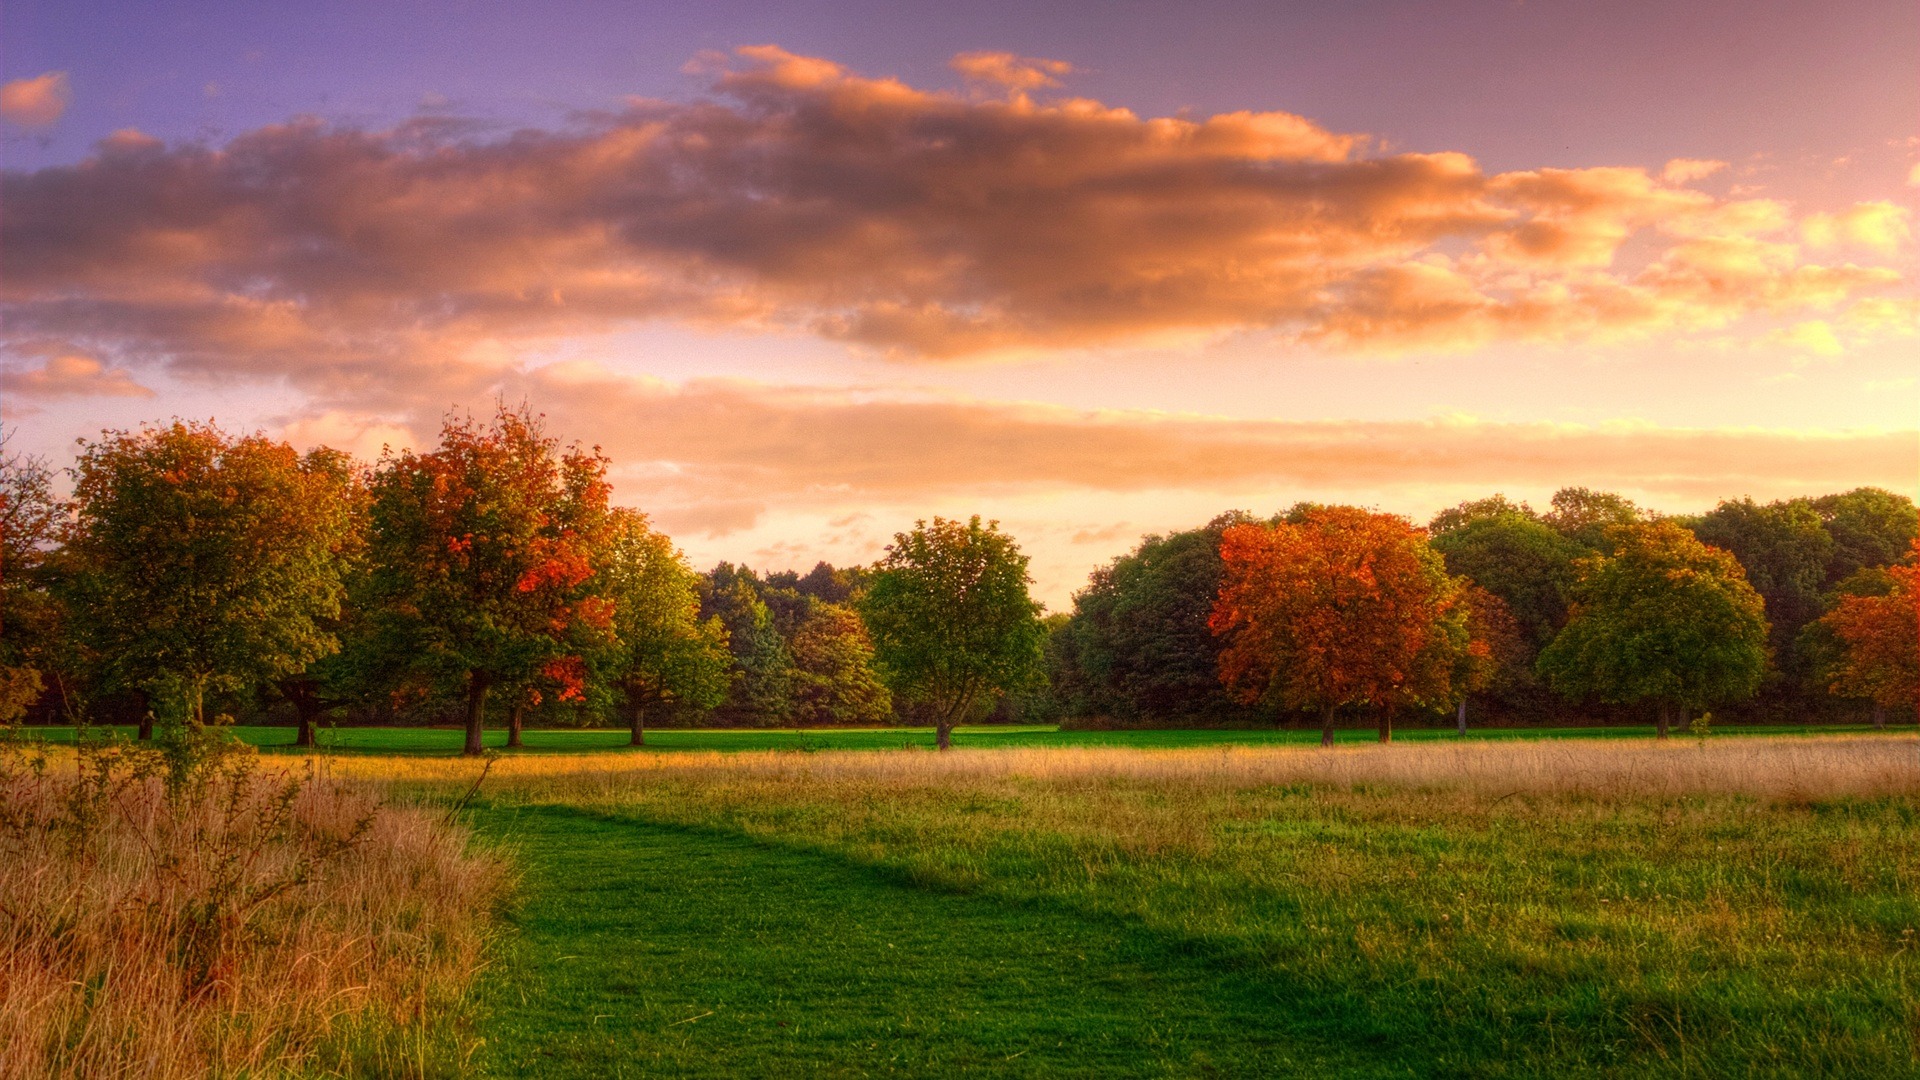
x,y
1881,639
1339,607
482,553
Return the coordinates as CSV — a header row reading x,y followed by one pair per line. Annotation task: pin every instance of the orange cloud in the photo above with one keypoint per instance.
x,y
1016,73
35,102
378,269
68,375
715,454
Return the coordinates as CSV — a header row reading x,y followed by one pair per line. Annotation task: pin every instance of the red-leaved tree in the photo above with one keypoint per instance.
x,y
1340,607
481,552
1881,638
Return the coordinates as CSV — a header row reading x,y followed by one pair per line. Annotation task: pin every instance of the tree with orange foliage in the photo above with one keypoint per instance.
x,y
1880,636
1337,607
481,552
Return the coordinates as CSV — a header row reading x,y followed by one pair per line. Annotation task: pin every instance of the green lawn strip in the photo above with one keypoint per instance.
x,y
652,949
446,741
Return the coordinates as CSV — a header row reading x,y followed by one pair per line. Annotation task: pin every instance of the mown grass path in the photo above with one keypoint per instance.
x,y
644,948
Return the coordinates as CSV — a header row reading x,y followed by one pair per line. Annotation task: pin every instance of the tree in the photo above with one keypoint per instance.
x,y
1498,655
1588,517
953,625
1515,556
1137,646
662,654
1870,527
206,562
31,617
1341,607
482,553
760,691
1785,550
1663,618
834,680
1880,641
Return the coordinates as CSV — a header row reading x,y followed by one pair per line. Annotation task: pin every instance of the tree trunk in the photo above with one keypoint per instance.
x,y
1879,716
943,734
146,715
1326,726
1661,725
1460,716
476,713
1386,725
637,721
515,713
308,710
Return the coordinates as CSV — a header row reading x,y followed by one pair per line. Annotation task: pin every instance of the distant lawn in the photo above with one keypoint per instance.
x,y
937,916
415,740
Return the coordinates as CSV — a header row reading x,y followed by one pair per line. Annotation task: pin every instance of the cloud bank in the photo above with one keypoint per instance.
x,y
385,267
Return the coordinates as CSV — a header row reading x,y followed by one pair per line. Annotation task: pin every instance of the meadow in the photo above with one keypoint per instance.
x,y
1442,907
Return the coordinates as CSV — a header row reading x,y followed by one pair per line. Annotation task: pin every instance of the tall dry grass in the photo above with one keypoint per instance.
x,y
1775,768
224,919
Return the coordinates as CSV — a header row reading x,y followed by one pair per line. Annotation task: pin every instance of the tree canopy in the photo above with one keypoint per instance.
x,y
952,622
206,561
1343,607
1662,618
661,653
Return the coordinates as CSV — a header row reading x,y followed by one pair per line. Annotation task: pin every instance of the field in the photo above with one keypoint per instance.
x,y
1515,907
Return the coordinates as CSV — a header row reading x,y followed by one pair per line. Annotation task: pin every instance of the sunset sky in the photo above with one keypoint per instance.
x,y
808,271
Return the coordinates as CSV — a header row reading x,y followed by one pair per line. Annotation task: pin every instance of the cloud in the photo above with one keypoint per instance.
x,y
378,269
1878,226
71,375
35,102
1013,72
713,455
1687,170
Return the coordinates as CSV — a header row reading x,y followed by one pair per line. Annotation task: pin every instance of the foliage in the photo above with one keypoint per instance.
x,y
1514,555
1879,637
661,653
482,551
1785,550
1589,517
1663,618
1870,527
953,625
206,561
833,680
1137,646
1346,607
31,616
760,688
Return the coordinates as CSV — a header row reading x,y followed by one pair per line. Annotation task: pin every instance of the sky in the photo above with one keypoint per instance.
x,y
808,272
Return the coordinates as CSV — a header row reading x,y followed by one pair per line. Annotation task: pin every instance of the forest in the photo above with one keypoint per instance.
x,y
195,575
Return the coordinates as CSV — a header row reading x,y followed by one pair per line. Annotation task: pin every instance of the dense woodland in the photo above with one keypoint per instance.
x,y
193,575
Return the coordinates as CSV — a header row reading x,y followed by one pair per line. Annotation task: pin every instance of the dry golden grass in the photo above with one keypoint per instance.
x,y
245,923
1781,768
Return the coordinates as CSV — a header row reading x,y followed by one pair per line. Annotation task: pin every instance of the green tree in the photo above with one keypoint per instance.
x,y
1137,646
1664,619
1785,550
834,681
662,654
1588,517
760,691
1508,551
952,622
206,562
482,554
1871,528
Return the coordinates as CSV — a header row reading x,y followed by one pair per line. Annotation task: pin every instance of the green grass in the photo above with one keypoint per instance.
x,y
718,921
427,741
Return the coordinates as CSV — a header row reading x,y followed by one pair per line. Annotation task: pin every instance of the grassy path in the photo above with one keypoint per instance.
x,y
652,949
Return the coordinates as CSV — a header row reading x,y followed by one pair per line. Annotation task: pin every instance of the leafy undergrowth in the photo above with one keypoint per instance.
x,y
842,919
181,911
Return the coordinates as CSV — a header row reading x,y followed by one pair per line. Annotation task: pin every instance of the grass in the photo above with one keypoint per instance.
x,y
420,740
1743,907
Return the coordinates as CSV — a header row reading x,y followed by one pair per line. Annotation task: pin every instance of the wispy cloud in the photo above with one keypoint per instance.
x,y
36,102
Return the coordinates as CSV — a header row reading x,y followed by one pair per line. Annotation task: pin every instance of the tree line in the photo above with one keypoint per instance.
x,y
1804,604
490,579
